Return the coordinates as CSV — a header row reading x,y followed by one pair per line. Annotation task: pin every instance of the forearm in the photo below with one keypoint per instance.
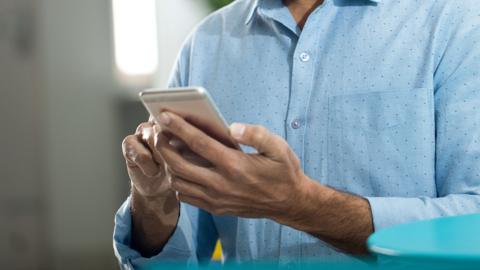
x,y
340,219
153,222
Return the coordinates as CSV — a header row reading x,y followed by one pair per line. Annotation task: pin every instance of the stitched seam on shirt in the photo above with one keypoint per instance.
x,y
310,92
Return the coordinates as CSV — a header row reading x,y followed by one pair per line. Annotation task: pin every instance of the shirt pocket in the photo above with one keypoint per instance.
x,y
375,110
378,137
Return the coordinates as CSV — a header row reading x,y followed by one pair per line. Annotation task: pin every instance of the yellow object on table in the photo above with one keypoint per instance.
x,y
217,253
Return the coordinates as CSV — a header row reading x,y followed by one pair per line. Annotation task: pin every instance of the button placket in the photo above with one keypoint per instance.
x,y
303,72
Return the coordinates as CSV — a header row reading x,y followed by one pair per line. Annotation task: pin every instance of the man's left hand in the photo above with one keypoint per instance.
x,y
267,184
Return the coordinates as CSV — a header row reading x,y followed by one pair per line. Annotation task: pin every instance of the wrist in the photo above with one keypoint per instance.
x,y
164,207
154,220
308,204
293,209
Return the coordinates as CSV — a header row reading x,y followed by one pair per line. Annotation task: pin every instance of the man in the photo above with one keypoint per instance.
x,y
365,114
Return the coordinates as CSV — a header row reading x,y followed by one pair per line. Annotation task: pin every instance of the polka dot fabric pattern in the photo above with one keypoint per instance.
x,y
377,98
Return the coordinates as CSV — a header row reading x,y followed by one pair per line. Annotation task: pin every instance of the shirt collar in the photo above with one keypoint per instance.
x,y
252,9
254,6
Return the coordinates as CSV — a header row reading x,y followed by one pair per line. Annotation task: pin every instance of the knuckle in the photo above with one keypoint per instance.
x,y
234,168
141,158
259,133
234,159
229,164
225,153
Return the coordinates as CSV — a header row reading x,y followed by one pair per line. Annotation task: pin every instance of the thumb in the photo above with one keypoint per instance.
x,y
259,138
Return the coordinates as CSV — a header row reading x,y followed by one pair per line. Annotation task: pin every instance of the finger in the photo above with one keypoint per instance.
x,y
188,155
178,144
196,139
136,154
133,170
179,166
151,136
185,187
146,133
195,159
195,202
259,138
140,127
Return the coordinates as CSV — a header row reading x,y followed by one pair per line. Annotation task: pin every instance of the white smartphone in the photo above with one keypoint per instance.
x,y
195,105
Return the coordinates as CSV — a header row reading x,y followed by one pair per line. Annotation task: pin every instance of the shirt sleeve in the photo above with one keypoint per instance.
x,y
195,235
457,119
192,241
180,246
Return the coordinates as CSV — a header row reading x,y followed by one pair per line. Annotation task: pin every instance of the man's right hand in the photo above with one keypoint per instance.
x,y
145,165
154,206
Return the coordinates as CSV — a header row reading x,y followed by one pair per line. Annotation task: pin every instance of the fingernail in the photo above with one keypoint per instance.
x,y
237,130
164,119
147,132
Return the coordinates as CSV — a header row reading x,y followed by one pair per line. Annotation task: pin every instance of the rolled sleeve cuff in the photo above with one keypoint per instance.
x,y
178,248
389,211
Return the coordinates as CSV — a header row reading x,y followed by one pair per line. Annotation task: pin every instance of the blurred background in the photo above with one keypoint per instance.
x,y
70,72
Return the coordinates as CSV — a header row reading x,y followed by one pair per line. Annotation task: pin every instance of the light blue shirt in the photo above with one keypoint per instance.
x,y
377,98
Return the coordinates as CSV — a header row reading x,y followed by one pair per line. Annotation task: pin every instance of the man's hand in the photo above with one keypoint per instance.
x,y
268,184
154,207
144,163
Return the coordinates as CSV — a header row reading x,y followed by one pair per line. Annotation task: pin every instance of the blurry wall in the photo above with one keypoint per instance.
x,y
81,175
63,117
22,209
176,19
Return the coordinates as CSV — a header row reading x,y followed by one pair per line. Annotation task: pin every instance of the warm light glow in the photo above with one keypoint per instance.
x,y
135,36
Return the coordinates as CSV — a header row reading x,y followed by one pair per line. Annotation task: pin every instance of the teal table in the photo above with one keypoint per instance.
x,y
449,241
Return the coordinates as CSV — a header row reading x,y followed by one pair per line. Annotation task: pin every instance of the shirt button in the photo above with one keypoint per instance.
x,y
296,124
304,57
